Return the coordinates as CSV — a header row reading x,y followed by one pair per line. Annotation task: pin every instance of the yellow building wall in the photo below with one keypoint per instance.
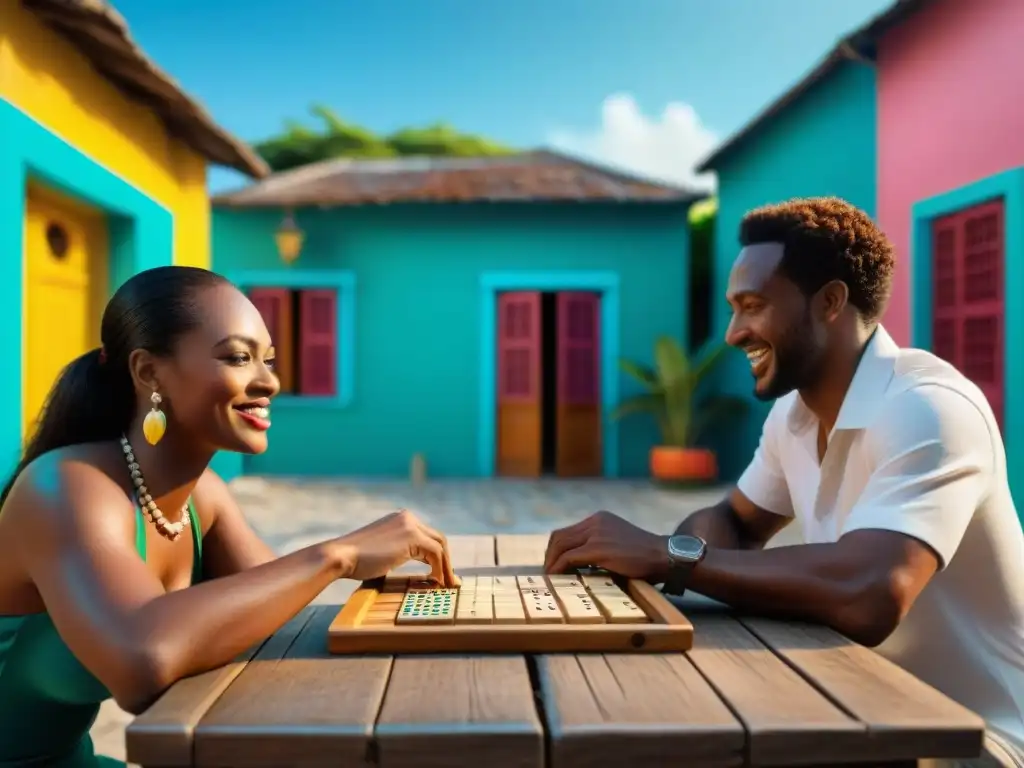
x,y
48,79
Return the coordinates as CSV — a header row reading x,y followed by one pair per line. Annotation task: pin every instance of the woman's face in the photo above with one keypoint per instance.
x,y
218,385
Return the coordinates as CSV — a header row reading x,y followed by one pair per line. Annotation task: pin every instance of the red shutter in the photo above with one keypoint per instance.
x,y
982,308
275,305
519,347
945,307
578,450
318,342
968,303
578,344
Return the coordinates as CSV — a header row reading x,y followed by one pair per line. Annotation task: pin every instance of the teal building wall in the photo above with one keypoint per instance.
x,y
415,276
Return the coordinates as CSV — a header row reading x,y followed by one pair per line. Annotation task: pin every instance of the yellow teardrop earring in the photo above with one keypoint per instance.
x,y
155,424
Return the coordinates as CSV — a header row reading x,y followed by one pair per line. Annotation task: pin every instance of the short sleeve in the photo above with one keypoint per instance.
x,y
763,481
933,453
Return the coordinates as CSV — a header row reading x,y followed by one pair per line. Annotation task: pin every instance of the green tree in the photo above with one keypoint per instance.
x,y
300,144
442,140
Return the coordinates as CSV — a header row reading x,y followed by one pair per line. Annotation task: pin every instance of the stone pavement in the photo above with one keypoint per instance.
x,y
292,514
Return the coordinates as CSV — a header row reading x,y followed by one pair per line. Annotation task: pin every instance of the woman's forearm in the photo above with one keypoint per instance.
x,y
209,624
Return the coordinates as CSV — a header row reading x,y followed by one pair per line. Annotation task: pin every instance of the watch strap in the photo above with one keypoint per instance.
x,y
680,570
678,578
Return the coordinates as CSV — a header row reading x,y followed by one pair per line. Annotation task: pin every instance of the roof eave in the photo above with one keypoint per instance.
x,y
259,196
858,45
866,37
683,192
227,202
102,36
840,54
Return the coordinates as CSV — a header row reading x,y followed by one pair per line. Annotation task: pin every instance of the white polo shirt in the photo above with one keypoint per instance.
x,y
916,449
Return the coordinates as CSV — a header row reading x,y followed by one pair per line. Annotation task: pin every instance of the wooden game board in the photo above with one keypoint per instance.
x,y
510,610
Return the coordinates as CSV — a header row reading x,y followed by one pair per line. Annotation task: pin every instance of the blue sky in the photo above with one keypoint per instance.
x,y
650,85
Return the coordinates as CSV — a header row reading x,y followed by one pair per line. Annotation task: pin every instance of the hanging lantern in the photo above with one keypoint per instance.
x,y
289,239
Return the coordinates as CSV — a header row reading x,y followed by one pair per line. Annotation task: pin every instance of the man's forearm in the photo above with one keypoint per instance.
x,y
720,527
808,582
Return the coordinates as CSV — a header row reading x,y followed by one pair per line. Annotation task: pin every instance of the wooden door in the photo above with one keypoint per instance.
x,y
519,385
968,297
66,287
578,438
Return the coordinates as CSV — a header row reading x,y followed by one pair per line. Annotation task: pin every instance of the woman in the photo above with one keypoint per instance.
x,y
125,564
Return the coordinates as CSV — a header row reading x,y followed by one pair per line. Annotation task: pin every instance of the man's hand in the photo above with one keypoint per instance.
x,y
607,541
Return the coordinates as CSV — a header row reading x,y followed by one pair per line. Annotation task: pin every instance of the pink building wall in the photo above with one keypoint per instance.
x,y
950,112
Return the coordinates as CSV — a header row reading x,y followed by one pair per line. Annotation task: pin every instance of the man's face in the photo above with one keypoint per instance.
x,y
772,322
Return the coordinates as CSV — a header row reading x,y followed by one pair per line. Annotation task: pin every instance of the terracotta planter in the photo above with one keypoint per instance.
x,y
672,464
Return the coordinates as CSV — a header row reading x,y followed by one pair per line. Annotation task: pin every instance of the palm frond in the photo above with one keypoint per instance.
x,y
648,403
672,383
670,361
642,373
709,360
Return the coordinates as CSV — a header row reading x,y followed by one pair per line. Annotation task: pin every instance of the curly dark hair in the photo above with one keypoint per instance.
x,y
825,239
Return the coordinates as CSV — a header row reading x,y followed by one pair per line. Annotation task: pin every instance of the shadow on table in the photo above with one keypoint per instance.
x,y
691,602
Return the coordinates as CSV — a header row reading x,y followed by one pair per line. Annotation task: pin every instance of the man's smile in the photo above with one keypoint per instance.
x,y
759,358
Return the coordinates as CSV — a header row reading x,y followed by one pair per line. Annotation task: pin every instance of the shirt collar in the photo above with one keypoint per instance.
x,y
870,381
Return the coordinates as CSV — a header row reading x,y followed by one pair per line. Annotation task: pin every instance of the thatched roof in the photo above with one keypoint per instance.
x,y
101,35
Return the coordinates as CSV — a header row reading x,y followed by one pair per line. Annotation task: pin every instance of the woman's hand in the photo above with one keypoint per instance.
x,y
392,541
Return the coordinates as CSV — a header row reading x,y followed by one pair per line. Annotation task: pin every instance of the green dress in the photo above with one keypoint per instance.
x,y
48,700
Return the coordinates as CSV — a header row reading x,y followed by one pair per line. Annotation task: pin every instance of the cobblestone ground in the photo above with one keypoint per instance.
x,y
291,515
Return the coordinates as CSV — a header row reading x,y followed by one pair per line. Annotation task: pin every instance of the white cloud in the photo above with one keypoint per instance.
x,y
665,148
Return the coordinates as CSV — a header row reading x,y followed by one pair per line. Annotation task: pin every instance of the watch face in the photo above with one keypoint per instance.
x,y
685,547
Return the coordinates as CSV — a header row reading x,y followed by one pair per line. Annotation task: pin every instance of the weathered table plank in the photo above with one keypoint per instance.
x,y
905,717
615,709
163,735
460,710
521,549
467,551
297,706
787,721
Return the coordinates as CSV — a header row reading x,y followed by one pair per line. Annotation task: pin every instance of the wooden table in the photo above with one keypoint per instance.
x,y
751,692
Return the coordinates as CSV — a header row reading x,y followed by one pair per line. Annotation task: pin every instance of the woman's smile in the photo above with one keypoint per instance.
x,y
255,413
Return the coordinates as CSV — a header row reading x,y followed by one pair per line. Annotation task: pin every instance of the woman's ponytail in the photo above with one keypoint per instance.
x,y
89,402
93,399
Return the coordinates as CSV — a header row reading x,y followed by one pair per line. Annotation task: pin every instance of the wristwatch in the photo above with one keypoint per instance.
x,y
684,553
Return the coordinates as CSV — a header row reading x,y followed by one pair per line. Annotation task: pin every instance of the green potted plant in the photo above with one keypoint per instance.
x,y
683,414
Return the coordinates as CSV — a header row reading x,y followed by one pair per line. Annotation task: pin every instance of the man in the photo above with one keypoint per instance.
x,y
889,460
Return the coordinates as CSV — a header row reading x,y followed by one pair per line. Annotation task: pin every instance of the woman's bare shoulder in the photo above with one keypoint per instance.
x,y
70,487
